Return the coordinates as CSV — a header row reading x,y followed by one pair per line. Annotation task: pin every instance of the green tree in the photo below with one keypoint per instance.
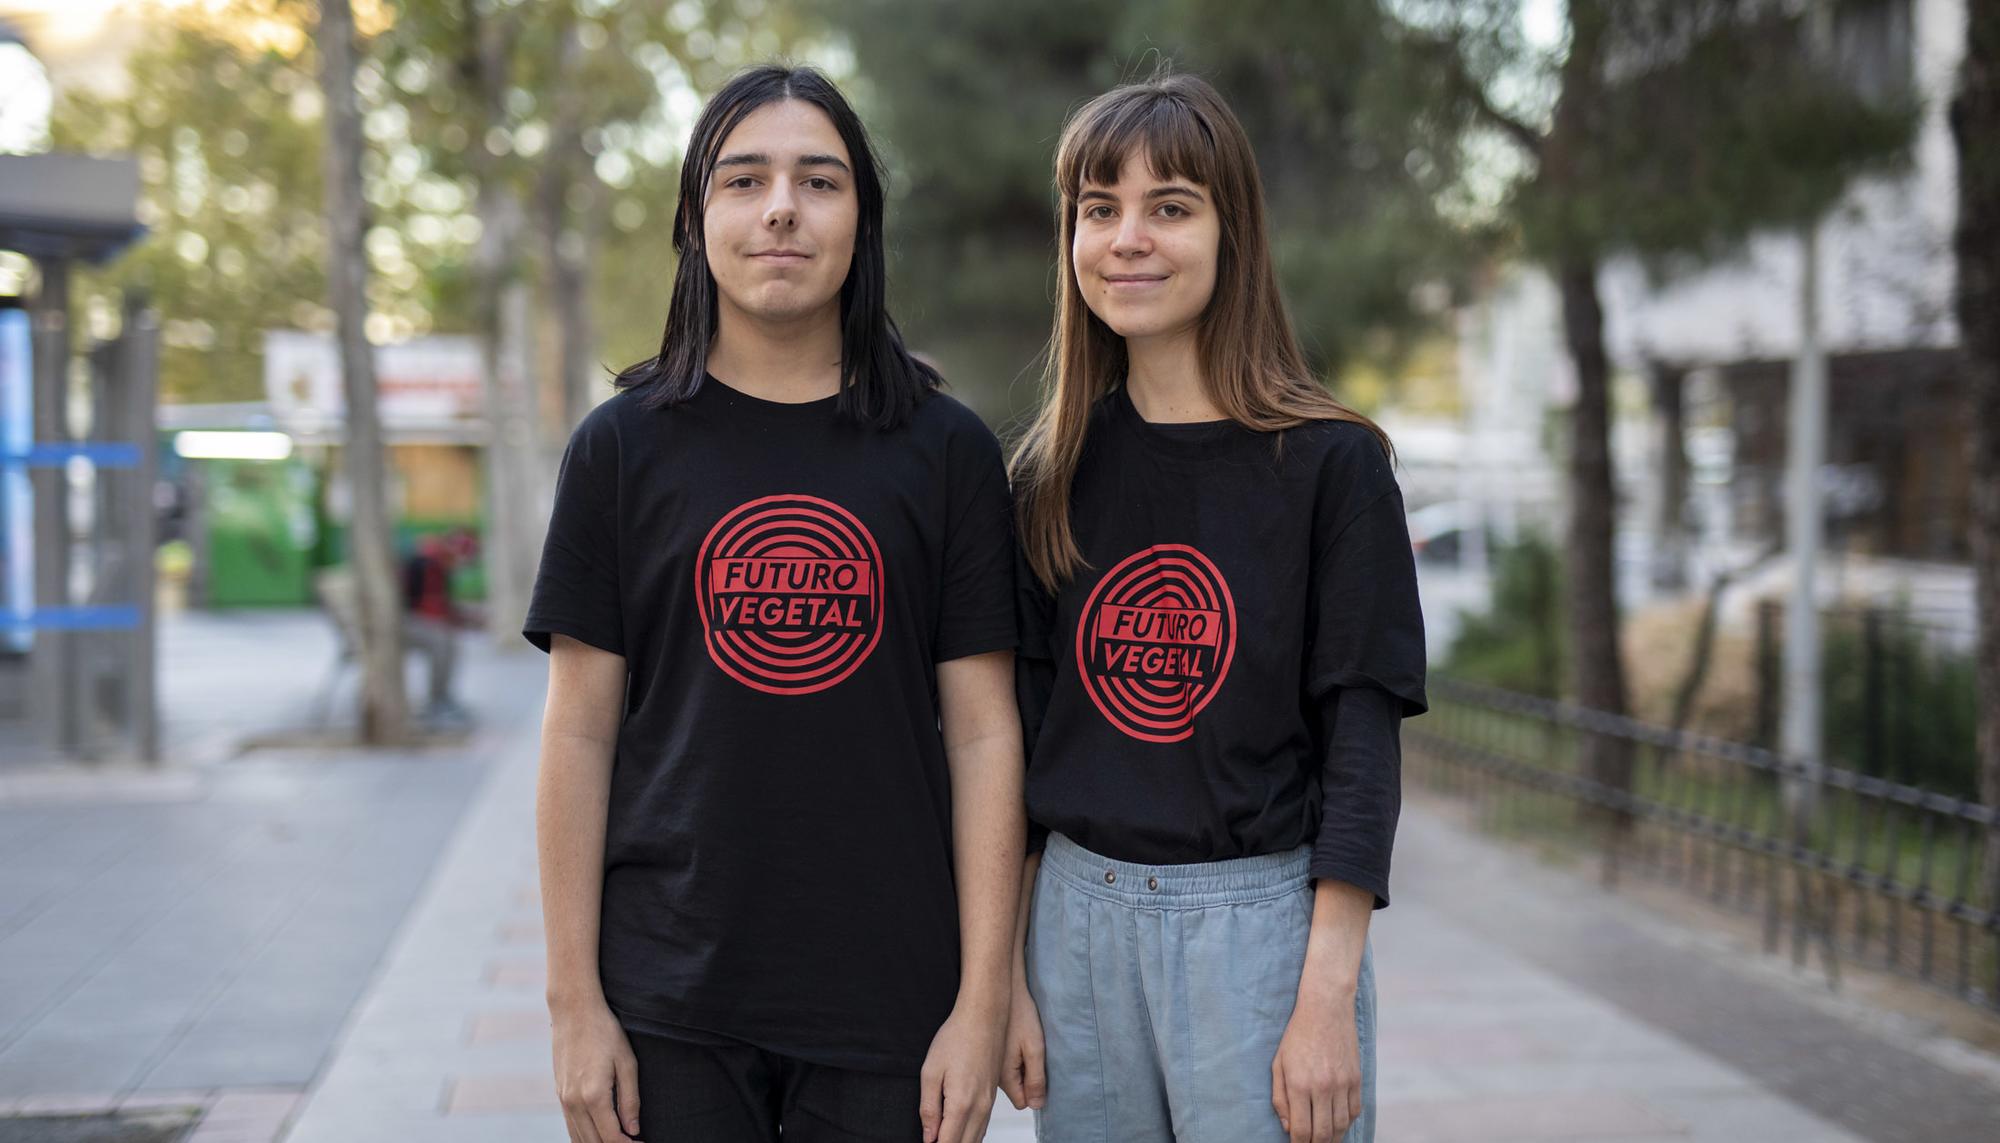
x,y
228,142
549,113
969,101
1662,128
965,102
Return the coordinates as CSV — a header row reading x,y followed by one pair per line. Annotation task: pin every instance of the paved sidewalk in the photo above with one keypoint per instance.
x,y
1575,989
344,948
1478,1041
1478,1044
192,938
451,1042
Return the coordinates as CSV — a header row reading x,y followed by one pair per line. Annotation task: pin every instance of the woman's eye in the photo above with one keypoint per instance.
x,y
820,184
1173,210
1097,212
739,181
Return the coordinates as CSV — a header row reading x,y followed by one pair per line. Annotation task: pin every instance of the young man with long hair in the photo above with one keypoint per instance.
x,y
1219,636
779,808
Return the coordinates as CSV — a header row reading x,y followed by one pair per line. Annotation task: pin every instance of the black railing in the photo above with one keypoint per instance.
x,y
1850,866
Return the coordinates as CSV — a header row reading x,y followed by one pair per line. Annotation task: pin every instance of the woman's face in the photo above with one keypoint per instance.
x,y
1144,251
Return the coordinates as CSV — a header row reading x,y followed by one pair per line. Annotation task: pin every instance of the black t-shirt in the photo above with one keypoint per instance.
x,y
782,583
1227,676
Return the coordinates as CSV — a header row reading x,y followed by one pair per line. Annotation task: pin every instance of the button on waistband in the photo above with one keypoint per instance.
x,y
1111,877
1153,883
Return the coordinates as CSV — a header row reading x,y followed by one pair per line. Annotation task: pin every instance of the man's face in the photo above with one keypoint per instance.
x,y
781,213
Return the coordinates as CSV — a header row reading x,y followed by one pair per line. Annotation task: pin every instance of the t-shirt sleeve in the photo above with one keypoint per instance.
x,y
576,589
976,612
1366,624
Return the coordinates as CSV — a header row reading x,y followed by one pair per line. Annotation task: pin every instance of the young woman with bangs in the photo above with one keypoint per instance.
x,y
1219,636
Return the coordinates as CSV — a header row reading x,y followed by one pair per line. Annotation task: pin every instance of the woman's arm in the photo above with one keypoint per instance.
x,y
596,1074
1023,1075
982,739
1316,1077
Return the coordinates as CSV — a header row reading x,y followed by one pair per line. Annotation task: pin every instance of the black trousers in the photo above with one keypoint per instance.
x,y
695,1093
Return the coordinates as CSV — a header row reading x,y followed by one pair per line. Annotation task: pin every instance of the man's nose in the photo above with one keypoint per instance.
x,y
781,210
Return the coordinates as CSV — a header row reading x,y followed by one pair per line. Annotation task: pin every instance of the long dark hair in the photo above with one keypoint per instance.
x,y
880,382
1251,366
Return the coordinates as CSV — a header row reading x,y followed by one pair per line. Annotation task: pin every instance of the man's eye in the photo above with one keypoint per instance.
x,y
820,183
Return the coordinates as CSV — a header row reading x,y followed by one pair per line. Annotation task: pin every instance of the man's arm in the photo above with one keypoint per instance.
x,y
982,740
597,1077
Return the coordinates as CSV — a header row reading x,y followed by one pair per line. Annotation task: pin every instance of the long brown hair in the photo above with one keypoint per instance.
x,y
1251,365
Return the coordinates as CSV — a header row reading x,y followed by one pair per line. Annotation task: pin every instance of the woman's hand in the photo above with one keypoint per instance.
x,y
1316,1079
597,1076
1022,1074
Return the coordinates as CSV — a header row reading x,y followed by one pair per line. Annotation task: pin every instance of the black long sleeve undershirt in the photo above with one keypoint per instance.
x,y
1361,788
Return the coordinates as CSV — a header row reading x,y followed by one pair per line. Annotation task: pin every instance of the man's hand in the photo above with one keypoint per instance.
x,y
1022,1070
597,1077
1316,1079
959,1074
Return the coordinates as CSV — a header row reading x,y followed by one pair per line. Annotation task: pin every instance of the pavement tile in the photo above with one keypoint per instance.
x,y
491,1027
1446,1046
500,1094
1546,1116
517,972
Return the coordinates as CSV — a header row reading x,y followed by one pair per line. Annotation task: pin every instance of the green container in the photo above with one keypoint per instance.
x,y
261,532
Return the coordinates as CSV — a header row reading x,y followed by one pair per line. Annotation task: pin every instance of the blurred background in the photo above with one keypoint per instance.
x,y
1684,316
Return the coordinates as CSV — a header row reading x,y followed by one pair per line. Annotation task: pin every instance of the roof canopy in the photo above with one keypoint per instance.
x,y
68,206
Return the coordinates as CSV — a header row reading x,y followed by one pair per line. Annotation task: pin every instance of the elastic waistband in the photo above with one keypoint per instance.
x,y
1236,881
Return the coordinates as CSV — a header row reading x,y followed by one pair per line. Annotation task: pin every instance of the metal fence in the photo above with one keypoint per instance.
x,y
1899,697
1866,871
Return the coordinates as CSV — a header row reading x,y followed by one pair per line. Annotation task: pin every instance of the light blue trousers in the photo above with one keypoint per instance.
x,y
1164,990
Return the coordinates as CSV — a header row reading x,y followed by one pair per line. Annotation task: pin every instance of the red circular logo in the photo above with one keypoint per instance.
x,y
790,589
1155,641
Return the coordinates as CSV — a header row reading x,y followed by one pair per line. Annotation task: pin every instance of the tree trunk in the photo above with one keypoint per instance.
x,y
512,455
1975,118
1671,542
1801,738
567,197
514,458
379,603
1599,670
569,254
